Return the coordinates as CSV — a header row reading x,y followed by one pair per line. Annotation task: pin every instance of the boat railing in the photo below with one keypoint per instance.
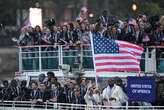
x,y
48,58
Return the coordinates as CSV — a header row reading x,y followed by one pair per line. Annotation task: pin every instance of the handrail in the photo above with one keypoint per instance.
x,y
39,56
52,45
161,46
76,45
50,104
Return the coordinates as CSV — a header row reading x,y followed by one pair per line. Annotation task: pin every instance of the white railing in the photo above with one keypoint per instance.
x,y
47,58
26,105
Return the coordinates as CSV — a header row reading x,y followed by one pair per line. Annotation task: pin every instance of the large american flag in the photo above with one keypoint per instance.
x,y
115,55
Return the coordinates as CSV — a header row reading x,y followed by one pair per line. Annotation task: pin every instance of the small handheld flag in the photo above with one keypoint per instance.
x,y
14,39
132,21
145,39
84,9
44,39
79,18
27,25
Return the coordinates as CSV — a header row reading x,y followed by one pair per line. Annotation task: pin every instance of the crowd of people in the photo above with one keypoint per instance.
x,y
143,30
78,91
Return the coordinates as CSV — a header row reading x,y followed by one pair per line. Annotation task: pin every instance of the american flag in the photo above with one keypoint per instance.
x,y
44,39
145,39
84,9
163,38
14,39
132,21
27,25
79,18
115,55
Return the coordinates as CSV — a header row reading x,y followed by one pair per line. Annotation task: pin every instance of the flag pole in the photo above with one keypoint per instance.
x,y
139,73
91,35
96,80
85,3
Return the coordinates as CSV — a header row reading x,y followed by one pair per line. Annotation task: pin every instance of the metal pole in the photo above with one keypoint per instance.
x,y
81,58
146,59
85,3
61,58
40,59
20,59
155,59
61,54
127,105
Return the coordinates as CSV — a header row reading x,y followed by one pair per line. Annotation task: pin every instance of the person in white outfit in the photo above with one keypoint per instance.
x,y
92,97
106,93
114,95
97,97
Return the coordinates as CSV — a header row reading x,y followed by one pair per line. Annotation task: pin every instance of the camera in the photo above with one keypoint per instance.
x,y
49,22
65,68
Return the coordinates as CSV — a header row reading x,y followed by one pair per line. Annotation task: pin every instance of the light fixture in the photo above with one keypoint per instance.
x,y
134,7
91,15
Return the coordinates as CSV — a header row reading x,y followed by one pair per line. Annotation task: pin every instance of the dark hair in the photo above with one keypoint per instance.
x,y
23,83
148,29
49,22
42,83
54,84
153,19
55,78
37,26
105,12
77,85
98,26
71,26
42,75
13,83
34,83
158,25
81,27
50,73
5,81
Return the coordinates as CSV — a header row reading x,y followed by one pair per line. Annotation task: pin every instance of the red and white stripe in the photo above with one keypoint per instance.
x,y
128,58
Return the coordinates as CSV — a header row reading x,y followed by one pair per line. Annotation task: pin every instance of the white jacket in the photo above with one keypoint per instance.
x,y
87,98
89,102
119,95
105,93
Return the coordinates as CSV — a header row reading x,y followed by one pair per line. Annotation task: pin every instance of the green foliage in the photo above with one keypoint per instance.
x,y
64,3
119,8
154,8
93,7
8,10
123,8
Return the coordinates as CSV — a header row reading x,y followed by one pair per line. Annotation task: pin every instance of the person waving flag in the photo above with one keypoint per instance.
x,y
84,9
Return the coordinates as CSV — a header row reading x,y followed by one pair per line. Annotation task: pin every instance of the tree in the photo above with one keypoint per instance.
x,y
122,8
155,8
9,10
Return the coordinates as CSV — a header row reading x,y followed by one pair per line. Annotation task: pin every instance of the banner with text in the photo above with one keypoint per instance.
x,y
141,89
